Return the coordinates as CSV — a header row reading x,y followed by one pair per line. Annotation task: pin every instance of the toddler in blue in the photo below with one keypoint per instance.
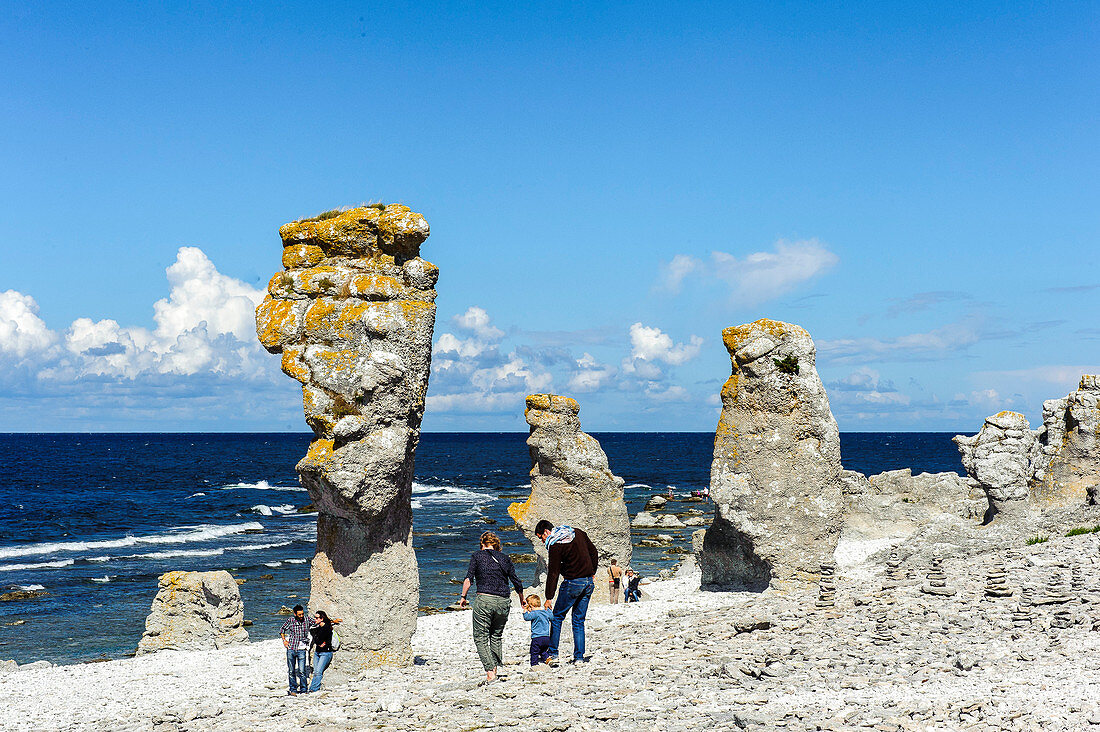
x,y
539,618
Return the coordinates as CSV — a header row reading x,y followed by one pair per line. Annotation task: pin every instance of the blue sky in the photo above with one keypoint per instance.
x,y
607,186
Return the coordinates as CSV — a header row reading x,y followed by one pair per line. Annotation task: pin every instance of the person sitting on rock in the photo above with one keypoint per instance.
x,y
633,591
574,558
539,618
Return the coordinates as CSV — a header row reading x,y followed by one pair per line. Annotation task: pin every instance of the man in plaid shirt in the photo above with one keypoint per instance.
x,y
295,635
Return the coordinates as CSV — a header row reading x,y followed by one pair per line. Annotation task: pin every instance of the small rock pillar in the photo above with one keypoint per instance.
x,y
572,484
352,315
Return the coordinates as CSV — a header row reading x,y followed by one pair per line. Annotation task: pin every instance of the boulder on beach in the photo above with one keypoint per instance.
x,y
1000,459
194,611
775,477
571,483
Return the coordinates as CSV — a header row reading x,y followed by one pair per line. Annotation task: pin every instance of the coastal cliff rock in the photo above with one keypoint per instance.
x,y
1000,460
896,504
352,316
572,484
1068,468
775,477
194,611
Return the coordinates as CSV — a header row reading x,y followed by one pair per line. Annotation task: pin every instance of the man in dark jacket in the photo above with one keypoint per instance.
x,y
572,557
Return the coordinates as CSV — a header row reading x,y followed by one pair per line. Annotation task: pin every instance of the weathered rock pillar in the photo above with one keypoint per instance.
x,y
194,611
352,316
775,477
1068,469
1000,460
572,484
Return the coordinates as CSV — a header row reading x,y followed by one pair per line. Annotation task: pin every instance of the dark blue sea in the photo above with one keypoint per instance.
x,y
94,519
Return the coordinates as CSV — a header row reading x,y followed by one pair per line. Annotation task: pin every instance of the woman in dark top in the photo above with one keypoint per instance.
x,y
492,570
321,633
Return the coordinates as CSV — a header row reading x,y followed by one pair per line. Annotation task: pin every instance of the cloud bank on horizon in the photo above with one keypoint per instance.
x,y
200,363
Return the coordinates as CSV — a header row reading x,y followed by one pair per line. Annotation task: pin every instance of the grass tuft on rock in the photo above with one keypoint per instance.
x,y
787,364
1083,530
1037,539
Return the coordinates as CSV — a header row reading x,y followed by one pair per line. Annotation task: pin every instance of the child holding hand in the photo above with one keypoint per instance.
x,y
539,618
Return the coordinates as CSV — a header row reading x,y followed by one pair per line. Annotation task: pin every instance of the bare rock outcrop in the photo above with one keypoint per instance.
x,y
1068,468
896,504
572,484
194,611
352,316
1000,459
775,477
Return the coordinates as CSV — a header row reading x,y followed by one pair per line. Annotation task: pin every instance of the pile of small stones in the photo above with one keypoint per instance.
x,y
827,586
996,580
937,580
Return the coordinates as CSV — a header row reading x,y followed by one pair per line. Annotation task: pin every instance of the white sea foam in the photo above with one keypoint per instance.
x,y
104,579
417,504
180,535
262,485
263,510
178,553
196,495
448,494
295,561
37,565
28,588
273,564
638,485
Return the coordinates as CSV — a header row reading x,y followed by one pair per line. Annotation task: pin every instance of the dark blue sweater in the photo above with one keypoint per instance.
x,y
491,576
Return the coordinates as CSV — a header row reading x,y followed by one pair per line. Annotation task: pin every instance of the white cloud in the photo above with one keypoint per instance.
x,y
590,374
476,321
650,344
22,332
205,325
757,277
914,346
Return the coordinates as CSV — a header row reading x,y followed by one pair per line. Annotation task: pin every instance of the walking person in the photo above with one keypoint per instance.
x,y
323,646
573,557
614,580
295,635
492,571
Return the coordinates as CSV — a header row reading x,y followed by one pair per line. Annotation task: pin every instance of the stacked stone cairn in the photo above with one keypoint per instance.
x,y
1077,582
996,581
936,583
894,571
881,635
1056,593
1021,616
827,586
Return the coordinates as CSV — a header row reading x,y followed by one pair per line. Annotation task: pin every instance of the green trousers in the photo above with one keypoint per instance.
x,y
490,613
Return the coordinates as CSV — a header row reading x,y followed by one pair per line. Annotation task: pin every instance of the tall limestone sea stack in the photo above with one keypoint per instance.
x,y
1068,471
352,316
775,477
571,483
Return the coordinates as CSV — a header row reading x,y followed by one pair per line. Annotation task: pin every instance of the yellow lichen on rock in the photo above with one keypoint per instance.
x,y
298,256
278,322
553,403
375,287
740,335
293,365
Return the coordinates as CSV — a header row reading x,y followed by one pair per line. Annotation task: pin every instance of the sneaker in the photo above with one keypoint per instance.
x,y
552,661
292,693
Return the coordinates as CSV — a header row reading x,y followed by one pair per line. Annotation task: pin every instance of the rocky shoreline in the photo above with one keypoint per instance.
x,y
888,655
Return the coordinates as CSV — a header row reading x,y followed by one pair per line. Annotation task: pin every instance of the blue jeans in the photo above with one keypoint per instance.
x,y
574,595
296,670
321,660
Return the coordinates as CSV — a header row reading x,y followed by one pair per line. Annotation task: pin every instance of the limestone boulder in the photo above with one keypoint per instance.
x,y
1067,471
571,483
775,476
352,315
1000,459
194,611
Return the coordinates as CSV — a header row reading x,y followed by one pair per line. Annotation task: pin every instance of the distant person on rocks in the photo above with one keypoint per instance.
x,y
670,496
614,580
539,618
633,591
492,570
574,558
323,643
295,635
